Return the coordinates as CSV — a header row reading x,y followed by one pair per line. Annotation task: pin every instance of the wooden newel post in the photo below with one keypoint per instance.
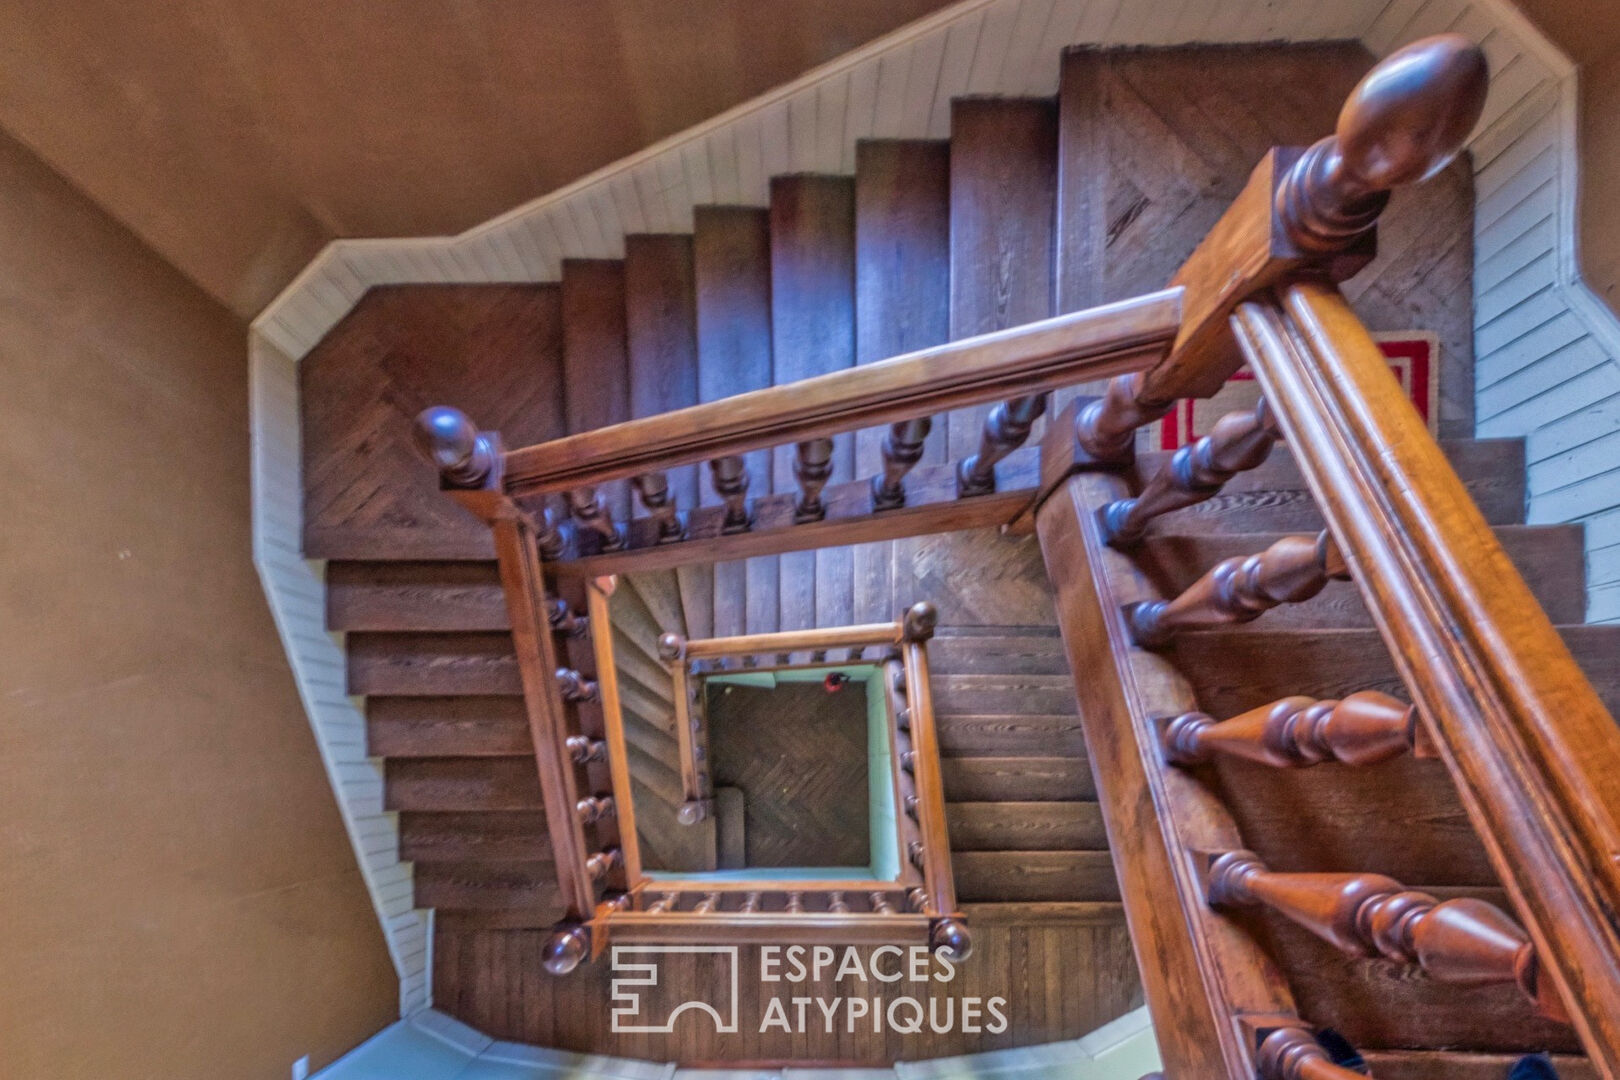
x,y
1309,210
464,456
568,945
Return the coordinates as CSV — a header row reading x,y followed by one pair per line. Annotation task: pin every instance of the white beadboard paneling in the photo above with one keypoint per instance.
x,y
1545,346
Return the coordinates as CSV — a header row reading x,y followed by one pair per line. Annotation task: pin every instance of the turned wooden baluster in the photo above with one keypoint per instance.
x,y
564,619
1005,430
880,903
660,503
584,750
1365,728
837,904
590,509
917,898
1241,589
1294,1054
902,449
599,864
914,852
592,809
1239,441
795,903
576,688
662,904
1464,941
812,468
1106,428
750,904
730,476
709,902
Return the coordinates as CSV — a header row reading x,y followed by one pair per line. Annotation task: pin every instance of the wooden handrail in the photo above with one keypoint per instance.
x,y
1098,343
828,637
1535,754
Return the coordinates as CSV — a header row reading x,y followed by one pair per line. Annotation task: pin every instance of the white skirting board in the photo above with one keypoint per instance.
x,y
1546,348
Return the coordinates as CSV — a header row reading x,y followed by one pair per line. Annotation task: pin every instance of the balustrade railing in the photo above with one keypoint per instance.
x,y
1496,696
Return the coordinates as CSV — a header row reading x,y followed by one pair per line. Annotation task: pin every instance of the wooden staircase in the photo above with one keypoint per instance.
x,y
1033,207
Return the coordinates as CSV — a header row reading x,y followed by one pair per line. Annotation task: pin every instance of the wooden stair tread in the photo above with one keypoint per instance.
x,y
1016,778
1034,875
487,836
414,595
1462,1065
470,726
1274,496
1026,826
1020,650
432,664
1332,663
1009,733
1550,557
489,886
1379,1004
449,784
956,694
1044,913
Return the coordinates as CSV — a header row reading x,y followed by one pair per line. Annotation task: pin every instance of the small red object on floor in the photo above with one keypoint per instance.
x,y
834,681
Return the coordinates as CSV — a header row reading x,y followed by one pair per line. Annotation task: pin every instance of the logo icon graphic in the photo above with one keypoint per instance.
x,y
630,975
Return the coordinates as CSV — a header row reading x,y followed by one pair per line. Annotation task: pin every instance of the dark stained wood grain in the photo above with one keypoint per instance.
x,y
1550,557
1198,969
493,351
813,333
427,664
1535,752
462,784
1003,205
661,334
1025,826
414,596
1011,778
1156,144
1062,977
731,254
492,836
1034,875
902,290
596,363
466,726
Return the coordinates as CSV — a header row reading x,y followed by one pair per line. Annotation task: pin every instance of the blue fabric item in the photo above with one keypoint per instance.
x,y
1533,1067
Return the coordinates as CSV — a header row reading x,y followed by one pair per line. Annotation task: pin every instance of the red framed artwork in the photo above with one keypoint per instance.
x,y
1414,357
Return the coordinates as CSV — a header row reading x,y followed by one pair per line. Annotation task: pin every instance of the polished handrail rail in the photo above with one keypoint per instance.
x,y
1097,343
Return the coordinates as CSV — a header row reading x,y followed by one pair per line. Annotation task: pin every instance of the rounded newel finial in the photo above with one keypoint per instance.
x,y
951,935
1411,114
671,646
920,620
452,443
565,948
1405,121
